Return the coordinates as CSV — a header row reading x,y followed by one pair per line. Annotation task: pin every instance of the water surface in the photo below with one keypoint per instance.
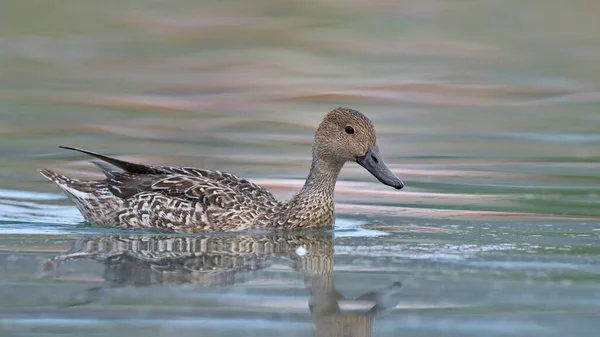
x,y
488,111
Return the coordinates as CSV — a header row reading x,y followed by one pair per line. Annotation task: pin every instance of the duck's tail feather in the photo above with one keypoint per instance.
x,y
81,186
108,169
92,198
123,165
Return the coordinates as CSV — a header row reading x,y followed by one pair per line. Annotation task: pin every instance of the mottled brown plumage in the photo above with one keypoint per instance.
x,y
188,200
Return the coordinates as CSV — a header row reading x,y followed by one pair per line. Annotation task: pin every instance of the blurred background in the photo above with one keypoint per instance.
x,y
468,97
488,111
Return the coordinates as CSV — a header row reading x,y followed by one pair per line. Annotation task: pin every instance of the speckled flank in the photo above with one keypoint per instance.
x,y
188,200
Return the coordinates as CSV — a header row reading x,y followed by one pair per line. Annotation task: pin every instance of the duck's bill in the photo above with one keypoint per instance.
x,y
373,162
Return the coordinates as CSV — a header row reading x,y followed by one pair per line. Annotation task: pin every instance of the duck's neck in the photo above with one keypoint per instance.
x,y
321,178
314,205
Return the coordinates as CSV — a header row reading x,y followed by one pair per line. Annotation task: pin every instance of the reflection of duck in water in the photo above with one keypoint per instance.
x,y
329,318
186,200
216,260
207,260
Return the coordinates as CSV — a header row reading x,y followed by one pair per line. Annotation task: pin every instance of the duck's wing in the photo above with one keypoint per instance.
x,y
125,179
207,191
223,178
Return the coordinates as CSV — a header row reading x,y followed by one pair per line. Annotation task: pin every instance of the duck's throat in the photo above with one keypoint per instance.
x,y
322,178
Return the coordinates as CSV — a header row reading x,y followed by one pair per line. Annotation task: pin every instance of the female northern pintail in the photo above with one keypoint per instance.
x,y
188,200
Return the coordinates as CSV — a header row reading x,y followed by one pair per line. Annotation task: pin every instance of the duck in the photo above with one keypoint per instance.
x,y
193,200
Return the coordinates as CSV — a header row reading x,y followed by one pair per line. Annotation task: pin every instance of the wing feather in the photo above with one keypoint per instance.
x,y
222,178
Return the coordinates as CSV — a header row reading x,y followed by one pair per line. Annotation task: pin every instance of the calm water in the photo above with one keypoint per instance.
x,y
487,110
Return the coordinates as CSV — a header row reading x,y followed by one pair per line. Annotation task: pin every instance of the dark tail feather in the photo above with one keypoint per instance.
x,y
108,169
126,166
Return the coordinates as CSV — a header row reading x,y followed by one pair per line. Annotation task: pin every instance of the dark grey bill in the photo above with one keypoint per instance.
x,y
373,162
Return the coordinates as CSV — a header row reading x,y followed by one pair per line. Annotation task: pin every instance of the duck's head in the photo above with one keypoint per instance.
x,y
348,135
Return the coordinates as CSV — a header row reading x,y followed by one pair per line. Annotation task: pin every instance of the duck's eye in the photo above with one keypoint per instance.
x,y
349,130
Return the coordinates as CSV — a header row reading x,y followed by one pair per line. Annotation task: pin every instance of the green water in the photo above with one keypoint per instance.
x,y
488,111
